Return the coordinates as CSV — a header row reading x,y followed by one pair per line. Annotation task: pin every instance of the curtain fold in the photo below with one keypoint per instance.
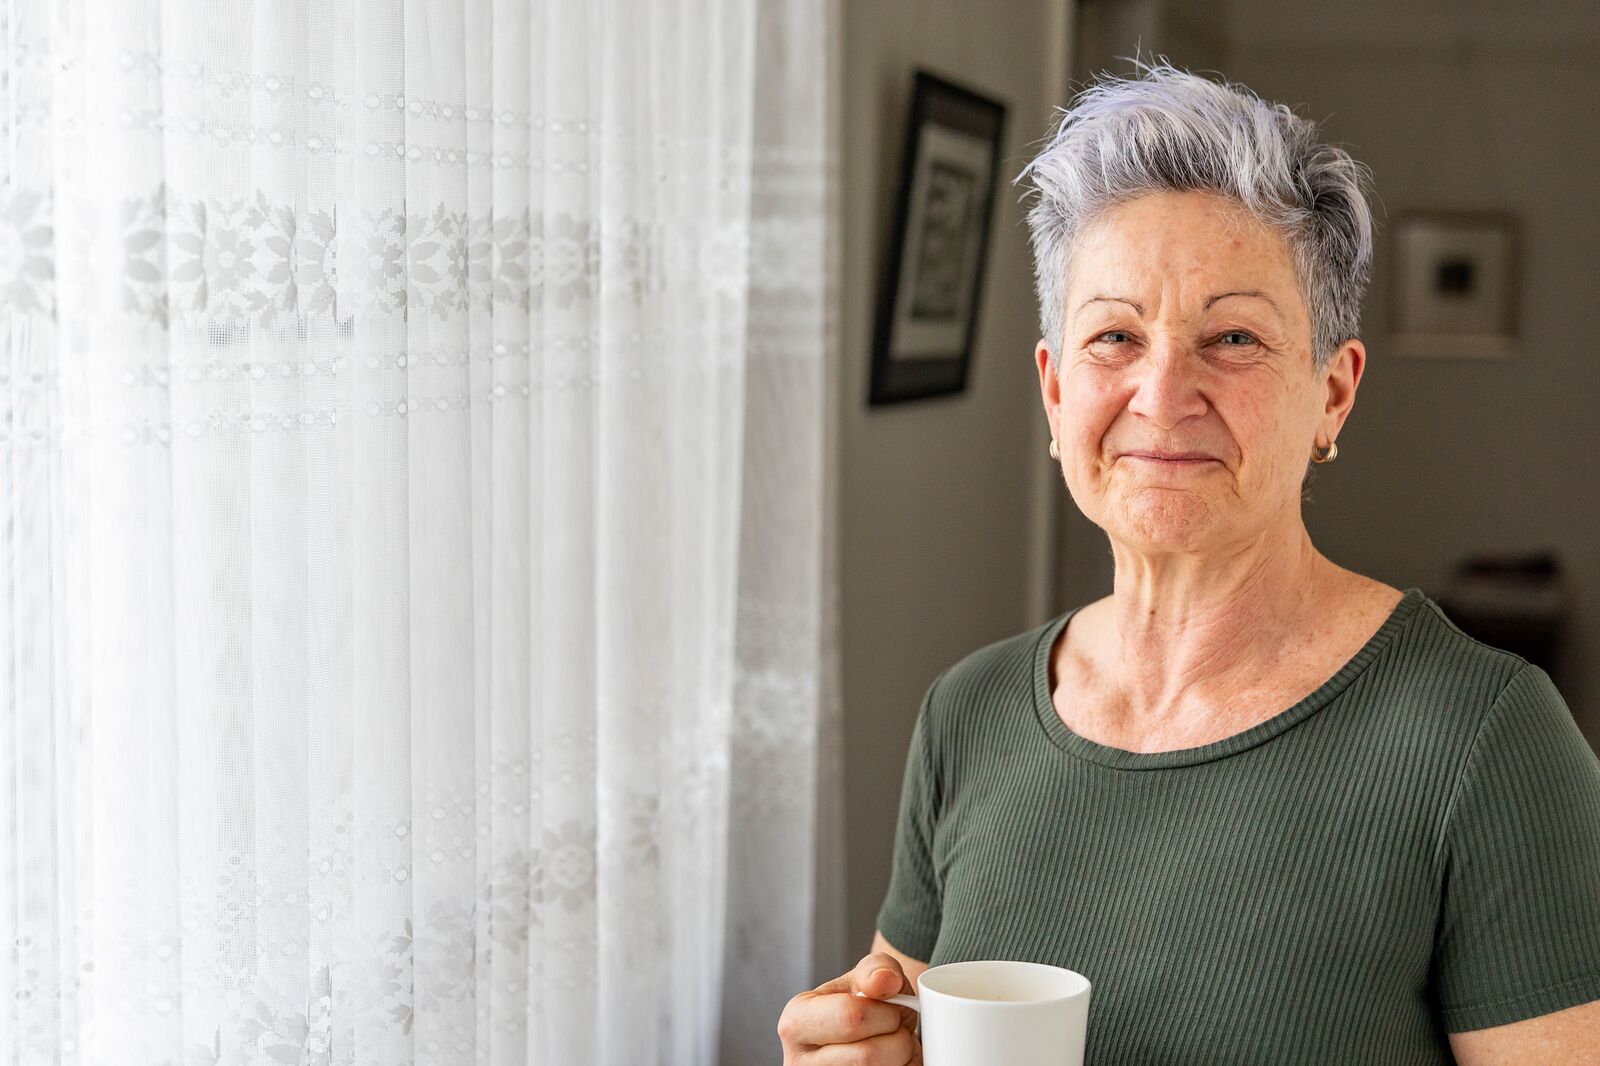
x,y
416,638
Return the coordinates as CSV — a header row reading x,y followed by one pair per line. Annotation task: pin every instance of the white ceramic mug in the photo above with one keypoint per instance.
x,y
1000,1013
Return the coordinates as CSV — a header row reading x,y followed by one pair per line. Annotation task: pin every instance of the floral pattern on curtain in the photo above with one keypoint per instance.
x,y
416,637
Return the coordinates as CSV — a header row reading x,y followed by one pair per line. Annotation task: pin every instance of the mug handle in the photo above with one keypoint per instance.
x,y
902,999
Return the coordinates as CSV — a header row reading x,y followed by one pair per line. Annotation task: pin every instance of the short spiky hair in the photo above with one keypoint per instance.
x,y
1166,129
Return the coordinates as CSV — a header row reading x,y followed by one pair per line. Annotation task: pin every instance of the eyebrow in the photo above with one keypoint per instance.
x,y
1111,299
1245,292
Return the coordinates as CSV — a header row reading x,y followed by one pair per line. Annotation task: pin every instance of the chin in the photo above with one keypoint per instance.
x,y
1162,520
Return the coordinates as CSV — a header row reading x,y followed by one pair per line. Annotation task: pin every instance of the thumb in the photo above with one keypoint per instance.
x,y
877,983
876,975
883,983
879,975
884,978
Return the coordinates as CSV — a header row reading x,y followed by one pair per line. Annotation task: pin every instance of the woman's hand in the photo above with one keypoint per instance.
x,y
832,1026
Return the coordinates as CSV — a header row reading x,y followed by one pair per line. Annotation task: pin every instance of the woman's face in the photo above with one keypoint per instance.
x,y
1186,404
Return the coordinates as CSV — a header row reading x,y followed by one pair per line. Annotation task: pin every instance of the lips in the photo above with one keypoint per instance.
x,y
1170,457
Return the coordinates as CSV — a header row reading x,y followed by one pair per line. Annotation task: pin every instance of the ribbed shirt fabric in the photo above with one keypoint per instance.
x,y
1411,850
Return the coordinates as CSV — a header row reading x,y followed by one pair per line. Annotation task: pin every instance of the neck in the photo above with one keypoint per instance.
x,y
1186,624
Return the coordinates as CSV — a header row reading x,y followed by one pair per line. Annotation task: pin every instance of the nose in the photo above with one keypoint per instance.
x,y
1167,390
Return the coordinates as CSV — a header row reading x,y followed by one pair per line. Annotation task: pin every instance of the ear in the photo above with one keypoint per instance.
x,y
1049,383
1339,388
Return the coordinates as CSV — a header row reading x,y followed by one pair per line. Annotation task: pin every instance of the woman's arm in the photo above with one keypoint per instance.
x,y
1570,1037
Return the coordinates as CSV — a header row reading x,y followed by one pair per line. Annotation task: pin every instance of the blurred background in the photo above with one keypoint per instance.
x,y
954,528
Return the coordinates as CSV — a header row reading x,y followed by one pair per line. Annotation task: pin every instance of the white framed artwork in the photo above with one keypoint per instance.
x,y
1455,286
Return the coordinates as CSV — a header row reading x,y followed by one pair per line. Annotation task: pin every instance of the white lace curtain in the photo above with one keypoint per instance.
x,y
415,622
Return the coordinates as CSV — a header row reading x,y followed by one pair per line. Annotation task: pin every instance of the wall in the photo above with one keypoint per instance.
x,y
1466,105
944,503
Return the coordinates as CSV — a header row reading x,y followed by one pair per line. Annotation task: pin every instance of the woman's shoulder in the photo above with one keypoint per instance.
x,y
1436,687
1414,642
1434,645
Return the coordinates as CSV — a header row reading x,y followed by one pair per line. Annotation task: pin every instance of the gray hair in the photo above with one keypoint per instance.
x,y
1172,130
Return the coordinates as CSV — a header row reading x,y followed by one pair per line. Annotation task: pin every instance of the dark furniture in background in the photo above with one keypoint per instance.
x,y
1515,602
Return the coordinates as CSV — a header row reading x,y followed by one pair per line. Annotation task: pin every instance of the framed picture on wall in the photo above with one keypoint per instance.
x,y
933,270
1455,284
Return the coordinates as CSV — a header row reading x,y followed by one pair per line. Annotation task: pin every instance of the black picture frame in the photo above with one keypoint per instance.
x,y
928,304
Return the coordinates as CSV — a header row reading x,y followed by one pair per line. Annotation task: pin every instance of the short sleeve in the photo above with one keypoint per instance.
x,y
1519,935
909,917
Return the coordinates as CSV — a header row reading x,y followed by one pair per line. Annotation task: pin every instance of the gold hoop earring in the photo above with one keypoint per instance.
x,y
1328,456
1055,452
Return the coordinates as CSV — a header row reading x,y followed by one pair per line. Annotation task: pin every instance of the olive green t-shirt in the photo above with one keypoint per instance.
x,y
1411,850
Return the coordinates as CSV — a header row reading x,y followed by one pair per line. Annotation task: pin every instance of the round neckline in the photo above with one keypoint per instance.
x,y
1123,759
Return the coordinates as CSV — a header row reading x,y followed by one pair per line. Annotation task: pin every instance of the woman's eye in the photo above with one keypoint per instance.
x,y
1247,338
1112,336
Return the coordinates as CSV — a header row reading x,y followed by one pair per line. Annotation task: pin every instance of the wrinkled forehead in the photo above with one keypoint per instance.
x,y
1178,242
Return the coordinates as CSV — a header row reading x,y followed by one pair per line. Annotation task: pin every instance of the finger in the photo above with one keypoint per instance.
x,y
858,978
842,1018
879,975
851,981
908,1015
898,1048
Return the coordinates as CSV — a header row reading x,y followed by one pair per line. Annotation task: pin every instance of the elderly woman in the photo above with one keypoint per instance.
x,y
1274,810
